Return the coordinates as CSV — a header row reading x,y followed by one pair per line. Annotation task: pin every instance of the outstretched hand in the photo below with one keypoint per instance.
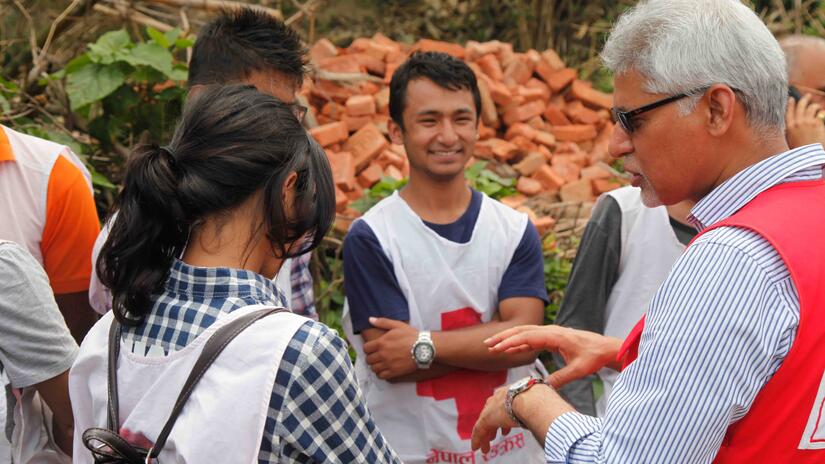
x,y
584,352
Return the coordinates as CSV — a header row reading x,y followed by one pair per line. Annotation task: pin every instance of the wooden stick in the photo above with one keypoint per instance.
x,y
218,5
134,16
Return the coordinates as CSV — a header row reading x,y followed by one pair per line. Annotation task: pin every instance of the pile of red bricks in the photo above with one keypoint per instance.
x,y
551,128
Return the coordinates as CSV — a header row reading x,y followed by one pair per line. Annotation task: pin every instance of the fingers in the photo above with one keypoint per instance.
x,y
801,107
790,111
482,436
495,339
386,324
566,375
811,112
536,338
518,349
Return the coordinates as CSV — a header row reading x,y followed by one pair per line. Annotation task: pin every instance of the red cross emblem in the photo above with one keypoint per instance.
x,y
470,389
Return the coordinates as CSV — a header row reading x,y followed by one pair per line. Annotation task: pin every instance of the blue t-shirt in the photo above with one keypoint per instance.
x,y
371,286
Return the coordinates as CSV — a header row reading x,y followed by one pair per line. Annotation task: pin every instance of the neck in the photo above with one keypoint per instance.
x,y
745,152
680,211
435,200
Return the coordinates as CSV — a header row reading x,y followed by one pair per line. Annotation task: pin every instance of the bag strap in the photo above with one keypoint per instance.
x,y
213,347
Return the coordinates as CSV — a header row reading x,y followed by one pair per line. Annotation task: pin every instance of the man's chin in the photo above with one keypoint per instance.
x,y
649,197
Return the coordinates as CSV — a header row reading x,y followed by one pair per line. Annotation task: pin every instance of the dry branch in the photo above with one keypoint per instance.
x,y
217,5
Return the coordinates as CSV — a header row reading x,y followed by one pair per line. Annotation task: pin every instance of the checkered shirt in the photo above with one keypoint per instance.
x,y
316,411
303,299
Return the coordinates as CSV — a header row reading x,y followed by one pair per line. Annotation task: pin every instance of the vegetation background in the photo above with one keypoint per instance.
x,y
103,75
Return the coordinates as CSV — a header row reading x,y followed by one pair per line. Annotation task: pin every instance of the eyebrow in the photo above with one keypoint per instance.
x,y
437,113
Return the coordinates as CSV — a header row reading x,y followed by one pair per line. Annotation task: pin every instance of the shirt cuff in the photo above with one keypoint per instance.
x,y
567,430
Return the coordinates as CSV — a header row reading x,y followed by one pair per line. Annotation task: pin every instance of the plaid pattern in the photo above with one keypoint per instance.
x,y
316,411
303,298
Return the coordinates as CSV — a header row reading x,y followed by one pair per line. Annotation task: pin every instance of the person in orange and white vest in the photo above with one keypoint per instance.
x,y
727,364
432,271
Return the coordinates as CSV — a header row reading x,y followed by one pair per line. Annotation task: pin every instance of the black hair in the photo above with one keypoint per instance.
x,y
232,141
241,41
444,70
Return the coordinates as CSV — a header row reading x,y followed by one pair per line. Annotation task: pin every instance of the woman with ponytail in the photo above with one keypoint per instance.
x,y
203,225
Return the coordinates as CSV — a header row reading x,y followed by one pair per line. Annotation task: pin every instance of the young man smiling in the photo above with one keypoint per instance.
x,y
432,271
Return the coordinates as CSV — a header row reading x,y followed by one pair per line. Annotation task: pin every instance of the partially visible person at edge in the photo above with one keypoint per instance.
x,y
249,47
47,204
627,250
432,271
36,352
203,226
700,94
806,73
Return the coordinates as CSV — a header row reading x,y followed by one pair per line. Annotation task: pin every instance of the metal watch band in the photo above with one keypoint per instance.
x,y
513,392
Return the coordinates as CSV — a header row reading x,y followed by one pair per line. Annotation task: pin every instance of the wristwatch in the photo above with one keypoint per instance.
x,y
518,387
423,350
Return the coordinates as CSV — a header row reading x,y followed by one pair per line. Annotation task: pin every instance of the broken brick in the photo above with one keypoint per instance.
x,y
555,116
365,145
530,163
428,45
329,134
370,176
356,122
393,172
550,57
580,114
565,167
544,224
524,112
360,105
590,96
341,200
528,186
343,170
561,79
601,186
545,138
551,181
322,49
521,129
490,66
513,201
574,132
517,72
577,191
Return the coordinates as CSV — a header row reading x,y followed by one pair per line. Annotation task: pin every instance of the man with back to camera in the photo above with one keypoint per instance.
x,y
727,366
432,271
245,46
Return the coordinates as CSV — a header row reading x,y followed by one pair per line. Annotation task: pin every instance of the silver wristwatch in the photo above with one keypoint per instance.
x,y
423,350
518,387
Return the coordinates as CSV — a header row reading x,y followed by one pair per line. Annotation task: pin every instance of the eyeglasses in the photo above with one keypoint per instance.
x,y
298,110
625,118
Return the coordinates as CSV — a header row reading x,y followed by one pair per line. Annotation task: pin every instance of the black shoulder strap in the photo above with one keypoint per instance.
x,y
213,347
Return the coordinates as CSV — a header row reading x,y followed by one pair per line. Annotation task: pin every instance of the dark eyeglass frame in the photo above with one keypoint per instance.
x,y
625,118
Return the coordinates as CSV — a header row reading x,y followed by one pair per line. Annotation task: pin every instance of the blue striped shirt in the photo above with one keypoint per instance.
x,y
716,331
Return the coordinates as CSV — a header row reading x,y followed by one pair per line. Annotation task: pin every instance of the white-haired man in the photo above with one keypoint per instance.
x,y
728,365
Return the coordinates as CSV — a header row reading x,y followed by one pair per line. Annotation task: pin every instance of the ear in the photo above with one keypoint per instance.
x,y
396,133
288,193
721,109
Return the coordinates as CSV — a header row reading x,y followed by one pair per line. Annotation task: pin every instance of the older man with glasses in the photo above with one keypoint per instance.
x,y
727,366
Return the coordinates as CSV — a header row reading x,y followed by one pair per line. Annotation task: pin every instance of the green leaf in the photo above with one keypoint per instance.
x,y
184,43
172,36
91,83
100,180
158,37
109,46
4,104
179,73
152,55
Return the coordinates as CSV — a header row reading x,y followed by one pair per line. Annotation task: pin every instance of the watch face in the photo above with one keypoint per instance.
x,y
519,384
423,353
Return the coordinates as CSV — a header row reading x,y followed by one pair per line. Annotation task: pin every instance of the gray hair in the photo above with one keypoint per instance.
x,y
684,45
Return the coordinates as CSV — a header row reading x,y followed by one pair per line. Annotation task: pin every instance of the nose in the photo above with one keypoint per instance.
x,y
447,135
620,143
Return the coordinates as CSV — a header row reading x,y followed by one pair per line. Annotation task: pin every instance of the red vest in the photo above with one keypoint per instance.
x,y
787,417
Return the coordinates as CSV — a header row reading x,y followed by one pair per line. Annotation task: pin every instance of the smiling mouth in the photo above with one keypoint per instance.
x,y
446,153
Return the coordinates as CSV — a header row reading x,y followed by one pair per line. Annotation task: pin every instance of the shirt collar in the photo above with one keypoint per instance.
x,y
745,185
204,283
5,148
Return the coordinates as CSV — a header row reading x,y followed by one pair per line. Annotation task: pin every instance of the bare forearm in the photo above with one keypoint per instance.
x,y
435,371
78,314
465,349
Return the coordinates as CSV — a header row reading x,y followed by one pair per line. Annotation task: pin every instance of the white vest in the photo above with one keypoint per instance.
x,y
649,250
283,280
223,420
421,420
